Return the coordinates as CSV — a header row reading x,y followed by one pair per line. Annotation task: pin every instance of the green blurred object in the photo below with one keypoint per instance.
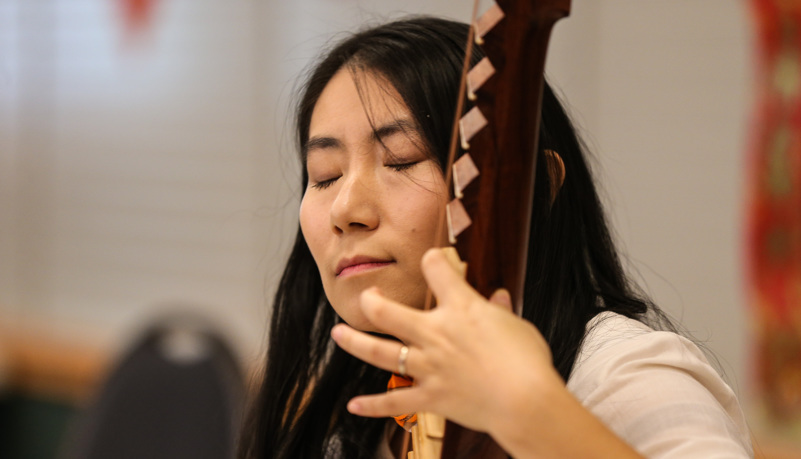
x,y
32,428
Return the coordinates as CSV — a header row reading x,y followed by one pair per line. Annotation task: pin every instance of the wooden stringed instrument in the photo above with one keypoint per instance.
x,y
489,218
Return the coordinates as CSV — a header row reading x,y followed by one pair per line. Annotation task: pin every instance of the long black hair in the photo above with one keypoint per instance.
x,y
573,270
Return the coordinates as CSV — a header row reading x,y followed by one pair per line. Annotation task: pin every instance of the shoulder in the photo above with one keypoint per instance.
x,y
615,343
657,391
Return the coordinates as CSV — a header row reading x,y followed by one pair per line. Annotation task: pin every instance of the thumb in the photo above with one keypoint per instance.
x,y
502,298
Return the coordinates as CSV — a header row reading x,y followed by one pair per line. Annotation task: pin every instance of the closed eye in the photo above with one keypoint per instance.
x,y
403,167
323,184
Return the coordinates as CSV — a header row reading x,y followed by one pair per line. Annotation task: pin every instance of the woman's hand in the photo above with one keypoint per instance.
x,y
479,365
472,359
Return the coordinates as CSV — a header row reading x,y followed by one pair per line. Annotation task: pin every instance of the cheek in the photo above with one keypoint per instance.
x,y
312,224
418,216
424,205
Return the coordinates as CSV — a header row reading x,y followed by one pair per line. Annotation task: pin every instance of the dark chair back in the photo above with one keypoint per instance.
x,y
177,394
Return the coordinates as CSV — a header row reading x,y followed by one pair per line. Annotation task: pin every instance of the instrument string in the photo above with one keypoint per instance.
x,y
441,233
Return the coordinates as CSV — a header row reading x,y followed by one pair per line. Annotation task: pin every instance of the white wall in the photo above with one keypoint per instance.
x,y
135,176
664,92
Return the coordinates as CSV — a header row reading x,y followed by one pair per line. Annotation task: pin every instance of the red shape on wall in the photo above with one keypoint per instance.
x,y
137,16
774,200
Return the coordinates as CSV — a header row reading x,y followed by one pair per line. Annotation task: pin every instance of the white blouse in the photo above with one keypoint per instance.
x,y
657,391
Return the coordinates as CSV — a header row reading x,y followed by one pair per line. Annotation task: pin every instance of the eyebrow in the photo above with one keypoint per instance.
x,y
320,143
379,133
393,127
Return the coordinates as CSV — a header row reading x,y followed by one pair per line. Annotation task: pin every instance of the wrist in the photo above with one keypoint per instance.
x,y
548,421
526,411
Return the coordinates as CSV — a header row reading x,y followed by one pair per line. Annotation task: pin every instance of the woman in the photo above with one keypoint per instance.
x,y
373,128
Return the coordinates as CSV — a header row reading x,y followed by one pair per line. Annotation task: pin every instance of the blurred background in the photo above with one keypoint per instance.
x,y
147,168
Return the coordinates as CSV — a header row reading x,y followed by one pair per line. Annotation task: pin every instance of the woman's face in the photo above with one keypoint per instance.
x,y
374,195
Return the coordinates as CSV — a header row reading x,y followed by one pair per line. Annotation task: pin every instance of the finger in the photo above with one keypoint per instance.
x,y
445,282
391,317
502,298
379,352
394,403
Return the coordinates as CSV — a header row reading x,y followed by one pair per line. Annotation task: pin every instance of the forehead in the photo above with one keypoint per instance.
x,y
355,99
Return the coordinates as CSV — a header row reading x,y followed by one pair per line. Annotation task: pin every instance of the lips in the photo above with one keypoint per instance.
x,y
359,263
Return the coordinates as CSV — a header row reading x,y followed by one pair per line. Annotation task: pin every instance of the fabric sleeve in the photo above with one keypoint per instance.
x,y
657,391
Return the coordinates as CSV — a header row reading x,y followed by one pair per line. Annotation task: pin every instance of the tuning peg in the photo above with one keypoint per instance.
x,y
464,172
472,122
478,75
457,218
486,22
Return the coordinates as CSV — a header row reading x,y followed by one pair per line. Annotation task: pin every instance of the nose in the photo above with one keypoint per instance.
x,y
356,206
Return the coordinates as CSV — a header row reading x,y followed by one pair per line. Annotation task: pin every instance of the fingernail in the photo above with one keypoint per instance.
x,y
354,407
336,332
371,292
506,297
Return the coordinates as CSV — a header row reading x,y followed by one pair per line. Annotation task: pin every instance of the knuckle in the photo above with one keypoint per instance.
x,y
374,351
439,322
391,405
430,397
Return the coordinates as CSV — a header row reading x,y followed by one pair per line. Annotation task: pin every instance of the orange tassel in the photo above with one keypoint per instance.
x,y
407,421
